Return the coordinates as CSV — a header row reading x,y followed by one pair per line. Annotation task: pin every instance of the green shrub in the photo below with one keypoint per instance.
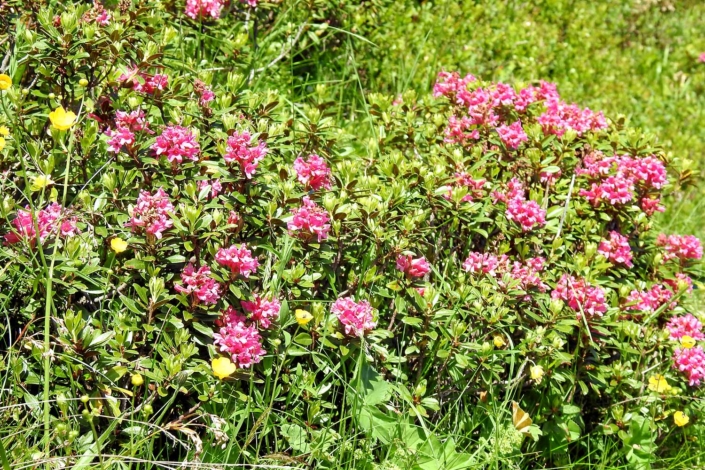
x,y
202,265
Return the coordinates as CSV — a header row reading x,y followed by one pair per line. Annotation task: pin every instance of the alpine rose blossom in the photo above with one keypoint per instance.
x,y
683,247
262,311
239,259
690,361
512,135
356,318
121,136
616,249
413,267
309,220
650,300
177,143
242,151
238,338
151,213
48,221
204,8
200,284
313,173
581,296
686,325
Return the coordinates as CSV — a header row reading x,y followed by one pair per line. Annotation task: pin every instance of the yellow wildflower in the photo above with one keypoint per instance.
x,y
4,131
118,245
658,384
303,317
5,82
687,341
498,341
536,373
137,380
62,119
40,182
2,143
222,367
680,418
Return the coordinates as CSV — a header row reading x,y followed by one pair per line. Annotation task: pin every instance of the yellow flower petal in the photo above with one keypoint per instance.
x,y
4,131
5,82
659,384
498,341
687,342
137,380
40,182
222,367
536,373
303,317
2,143
680,418
118,245
62,119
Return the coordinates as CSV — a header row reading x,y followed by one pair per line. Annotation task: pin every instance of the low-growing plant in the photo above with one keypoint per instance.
x,y
204,269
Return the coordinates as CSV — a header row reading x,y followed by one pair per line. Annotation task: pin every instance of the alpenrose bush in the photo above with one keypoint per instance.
x,y
485,243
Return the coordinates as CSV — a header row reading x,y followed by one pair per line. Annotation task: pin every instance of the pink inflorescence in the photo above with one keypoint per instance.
x,y
683,247
200,284
528,214
680,277
144,82
151,213
356,318
48,221
616,249
119,137
313,173
686,325
580,296
527,273
242,151
204,8
262,311
134,121
701,58
650,300
204,92
177,143
475,187
310,219
512,135
690,361
239,259
239,338
215,186
413,267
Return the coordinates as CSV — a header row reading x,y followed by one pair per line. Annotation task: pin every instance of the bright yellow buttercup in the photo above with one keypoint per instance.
x,y
687,341
5,82
4,131
303,317
498,341
118,245
680,418
659,384
2,143
40,182
222,367
61,119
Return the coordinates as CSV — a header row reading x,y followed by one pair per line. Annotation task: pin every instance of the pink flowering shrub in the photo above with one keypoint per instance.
x,y
200,284
580,296
691,362
46,222
413,267
238,259
309,220
313,172
242,151
204,8
616,249
686,325
355,317
177,143
239,339
262,311
151,214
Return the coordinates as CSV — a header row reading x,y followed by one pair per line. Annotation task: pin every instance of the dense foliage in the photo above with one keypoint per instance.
x,y
210,256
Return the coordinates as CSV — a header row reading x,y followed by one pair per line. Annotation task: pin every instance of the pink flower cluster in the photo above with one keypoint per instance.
x,y
528,214
413,267
121,136
151,213
560,117
48,221
690,361
97,14
614,179
449,84
526,273
650,300
177,143
143,82
204,92
474,186
310,219
356,318
580,296
200,284
242,151
512,135
239,338
262,311
215,186
239,259
673,283
686,325
616,249
204,8
683,247
313,173
126,124
460,131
